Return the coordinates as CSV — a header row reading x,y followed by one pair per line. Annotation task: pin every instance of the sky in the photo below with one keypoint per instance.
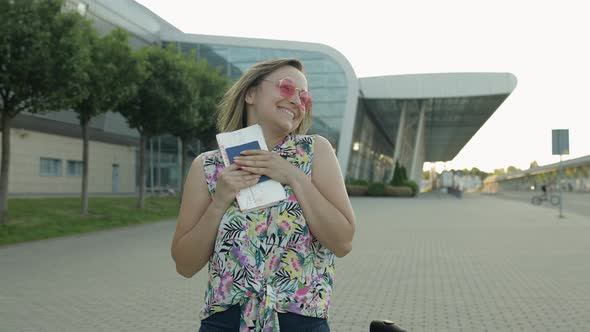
x,y
544,44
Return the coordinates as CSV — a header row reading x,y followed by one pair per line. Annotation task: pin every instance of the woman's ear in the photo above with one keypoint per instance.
x,y
250,95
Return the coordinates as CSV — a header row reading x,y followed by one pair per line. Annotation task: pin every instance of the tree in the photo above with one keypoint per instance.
x,y
110,76
42,56
477,172
534,164
196,118
404,175
499,171
512,169
162,88
399,175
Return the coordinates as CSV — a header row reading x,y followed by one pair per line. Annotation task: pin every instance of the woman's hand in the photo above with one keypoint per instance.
x,y
230,181
268,163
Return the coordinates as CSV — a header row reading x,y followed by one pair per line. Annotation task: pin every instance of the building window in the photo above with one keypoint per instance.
x,y
75,168
50,167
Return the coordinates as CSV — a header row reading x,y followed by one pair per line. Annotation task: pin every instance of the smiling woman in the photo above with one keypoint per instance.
x,y
271,269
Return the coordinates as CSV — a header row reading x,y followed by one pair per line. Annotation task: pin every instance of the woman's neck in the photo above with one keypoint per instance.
x,y
273,138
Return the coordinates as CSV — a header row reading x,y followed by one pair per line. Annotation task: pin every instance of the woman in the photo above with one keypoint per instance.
x,y
270,269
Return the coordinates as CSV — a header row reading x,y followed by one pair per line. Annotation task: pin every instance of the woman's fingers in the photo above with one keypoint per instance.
x,y
246,181
254,170
234,170
250,177
250,163
231,168
238,173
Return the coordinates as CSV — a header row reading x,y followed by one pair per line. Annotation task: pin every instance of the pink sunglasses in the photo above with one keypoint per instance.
x,y
288,89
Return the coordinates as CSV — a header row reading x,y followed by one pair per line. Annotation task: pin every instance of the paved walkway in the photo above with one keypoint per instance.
x,y
573,202
430,264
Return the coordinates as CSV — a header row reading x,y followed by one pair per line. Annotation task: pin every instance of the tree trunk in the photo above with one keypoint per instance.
x,y
6,121
143,170
84,196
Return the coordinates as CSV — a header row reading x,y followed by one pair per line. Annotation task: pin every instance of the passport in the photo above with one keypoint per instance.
x,y
266,192
235,151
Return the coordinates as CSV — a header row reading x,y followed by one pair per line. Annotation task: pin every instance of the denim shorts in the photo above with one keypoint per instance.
x,y
229,321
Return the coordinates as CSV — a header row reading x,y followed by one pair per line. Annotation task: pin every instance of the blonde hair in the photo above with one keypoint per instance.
x,y
232,108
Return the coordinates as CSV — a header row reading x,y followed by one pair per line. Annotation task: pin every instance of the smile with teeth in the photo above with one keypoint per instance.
x,y
287,111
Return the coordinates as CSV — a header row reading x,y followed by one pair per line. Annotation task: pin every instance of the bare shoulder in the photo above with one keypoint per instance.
x,y
325,166
327,177
195,198
195,182
324,153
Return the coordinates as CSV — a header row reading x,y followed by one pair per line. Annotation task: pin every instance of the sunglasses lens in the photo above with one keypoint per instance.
x,y
287,88
306,100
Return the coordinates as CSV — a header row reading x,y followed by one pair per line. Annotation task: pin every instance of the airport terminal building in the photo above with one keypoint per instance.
x,y
371,122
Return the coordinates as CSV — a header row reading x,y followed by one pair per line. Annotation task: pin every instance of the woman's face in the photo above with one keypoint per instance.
x,y
267,107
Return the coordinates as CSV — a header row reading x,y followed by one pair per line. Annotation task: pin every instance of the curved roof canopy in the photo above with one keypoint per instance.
x,y
456,105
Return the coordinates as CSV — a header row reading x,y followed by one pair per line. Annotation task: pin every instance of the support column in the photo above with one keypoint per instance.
x,y
399,138
418,142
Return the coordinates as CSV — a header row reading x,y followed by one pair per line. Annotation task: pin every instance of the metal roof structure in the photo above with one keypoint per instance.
x,y
456,105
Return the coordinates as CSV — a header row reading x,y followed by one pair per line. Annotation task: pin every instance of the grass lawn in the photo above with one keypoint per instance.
x,y
40,218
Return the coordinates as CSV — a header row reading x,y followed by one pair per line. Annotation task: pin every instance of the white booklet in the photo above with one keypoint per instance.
x,y
266,192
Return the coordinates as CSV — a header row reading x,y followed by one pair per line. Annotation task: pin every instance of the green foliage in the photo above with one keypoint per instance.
x,y
499,171
45,54
512,169
163,88
413,185
377,189
42,56
112,74
196,120
41,218
399,175
404,175
359,182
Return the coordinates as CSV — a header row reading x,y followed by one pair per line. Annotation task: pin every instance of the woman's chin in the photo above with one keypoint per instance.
x,y
284,125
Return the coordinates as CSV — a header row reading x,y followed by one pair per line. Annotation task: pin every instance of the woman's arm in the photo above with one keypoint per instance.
x,y
193,240
200,215
324,200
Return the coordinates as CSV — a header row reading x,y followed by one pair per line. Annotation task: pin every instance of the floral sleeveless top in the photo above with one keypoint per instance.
x,y
267,261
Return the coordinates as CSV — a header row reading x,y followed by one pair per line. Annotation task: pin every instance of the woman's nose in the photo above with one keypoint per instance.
x,y
295,99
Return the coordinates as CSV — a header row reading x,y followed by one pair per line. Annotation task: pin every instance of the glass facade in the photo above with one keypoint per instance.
x,y
371,156
326,79
163,162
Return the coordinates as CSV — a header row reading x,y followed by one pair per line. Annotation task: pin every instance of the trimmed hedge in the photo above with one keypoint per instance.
x,y
399,191
377,189
359,187
357,190
412,185
359,182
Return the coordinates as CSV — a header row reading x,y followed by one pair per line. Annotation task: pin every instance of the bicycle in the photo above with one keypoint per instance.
x,y
553,199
